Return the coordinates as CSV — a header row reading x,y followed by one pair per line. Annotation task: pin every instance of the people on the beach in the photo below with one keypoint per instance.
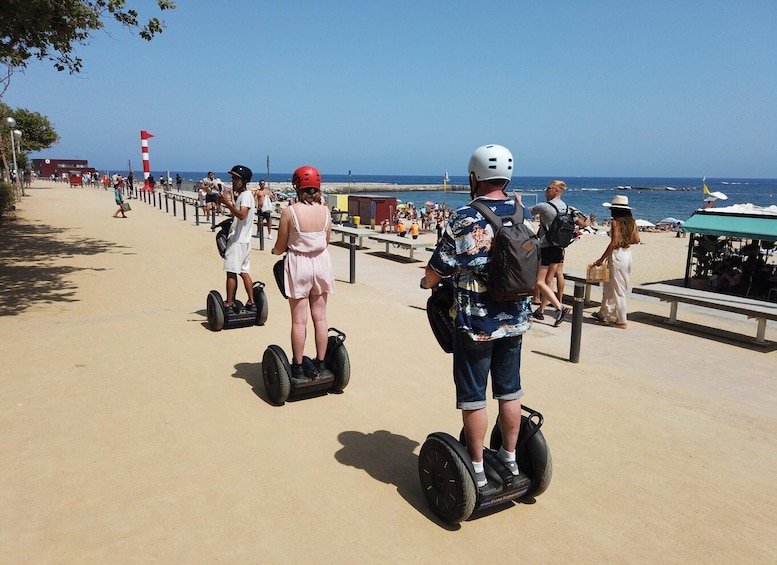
x,y
118,196
303,233
208,186
401,229
178,182
488,335
623,234
237,258
415,229
264,203
551,256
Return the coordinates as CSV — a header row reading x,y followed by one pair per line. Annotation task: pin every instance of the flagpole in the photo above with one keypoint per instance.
x,y
445,191
268,171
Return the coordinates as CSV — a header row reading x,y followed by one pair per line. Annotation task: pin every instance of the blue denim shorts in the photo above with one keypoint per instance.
x,y
472,361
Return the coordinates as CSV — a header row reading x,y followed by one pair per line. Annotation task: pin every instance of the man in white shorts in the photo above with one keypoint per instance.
x,y
237,258
264,203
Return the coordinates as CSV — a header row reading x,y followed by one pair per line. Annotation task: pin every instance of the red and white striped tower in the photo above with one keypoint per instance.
x,y
144,137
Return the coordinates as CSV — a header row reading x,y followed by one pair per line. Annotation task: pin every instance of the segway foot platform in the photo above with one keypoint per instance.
x,y
448,477
280,384
237,316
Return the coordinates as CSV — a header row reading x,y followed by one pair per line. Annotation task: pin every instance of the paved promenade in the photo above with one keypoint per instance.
x,y
131,433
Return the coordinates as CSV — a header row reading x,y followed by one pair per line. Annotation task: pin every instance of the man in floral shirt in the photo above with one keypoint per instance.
x,y
488,335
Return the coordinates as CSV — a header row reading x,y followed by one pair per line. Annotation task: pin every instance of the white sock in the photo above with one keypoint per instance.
x,y
505,455
478,465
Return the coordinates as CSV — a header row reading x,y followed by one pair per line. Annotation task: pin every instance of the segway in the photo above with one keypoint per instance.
x,y
220,317
448,477
280,384
444,465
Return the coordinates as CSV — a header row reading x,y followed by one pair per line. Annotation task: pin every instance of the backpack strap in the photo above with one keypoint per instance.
x,y
557,210
498,221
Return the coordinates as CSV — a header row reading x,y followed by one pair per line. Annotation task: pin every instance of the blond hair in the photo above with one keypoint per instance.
x,y
560,184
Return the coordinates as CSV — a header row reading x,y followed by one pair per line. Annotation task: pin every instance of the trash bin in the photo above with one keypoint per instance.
x,y
356,220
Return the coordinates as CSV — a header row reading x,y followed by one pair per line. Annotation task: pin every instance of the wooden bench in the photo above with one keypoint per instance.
x,y
758,309
356,232
411,244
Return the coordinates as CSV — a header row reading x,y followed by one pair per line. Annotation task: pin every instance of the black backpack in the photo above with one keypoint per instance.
x,y
514,255
562,230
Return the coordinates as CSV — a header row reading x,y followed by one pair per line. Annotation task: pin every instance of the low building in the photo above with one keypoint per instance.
x,y
47,167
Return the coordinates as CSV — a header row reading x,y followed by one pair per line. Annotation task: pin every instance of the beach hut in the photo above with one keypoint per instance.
x,y
743,236
371,209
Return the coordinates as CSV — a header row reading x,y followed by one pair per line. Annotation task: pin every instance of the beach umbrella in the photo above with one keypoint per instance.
x,y
719,195
644,224
670,221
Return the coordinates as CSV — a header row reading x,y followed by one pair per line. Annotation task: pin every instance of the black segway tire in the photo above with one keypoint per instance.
x,y
339,363
276,373
216,311
532,455
262,306
446,479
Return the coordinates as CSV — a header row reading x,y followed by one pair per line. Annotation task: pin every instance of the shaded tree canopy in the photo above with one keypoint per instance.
x,y
37,131
37,134
51,29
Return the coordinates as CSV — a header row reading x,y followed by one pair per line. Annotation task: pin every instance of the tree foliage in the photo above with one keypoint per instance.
x,y
37,134
51,29
37,131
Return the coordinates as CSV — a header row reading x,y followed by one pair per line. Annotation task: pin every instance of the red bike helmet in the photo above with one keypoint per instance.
x,y
306,177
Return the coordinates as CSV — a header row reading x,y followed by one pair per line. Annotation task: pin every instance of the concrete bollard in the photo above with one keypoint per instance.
x,y
577,322
352,259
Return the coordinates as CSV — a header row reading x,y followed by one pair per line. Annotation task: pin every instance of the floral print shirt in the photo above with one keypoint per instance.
x,y
463,255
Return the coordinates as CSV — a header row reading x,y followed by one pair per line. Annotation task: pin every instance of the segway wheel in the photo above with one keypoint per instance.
x,y
262,307
216,311
531,454
276,372
338,362
448,486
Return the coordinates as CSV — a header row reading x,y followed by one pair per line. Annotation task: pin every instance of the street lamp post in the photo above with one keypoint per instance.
x,y
17,134
11,123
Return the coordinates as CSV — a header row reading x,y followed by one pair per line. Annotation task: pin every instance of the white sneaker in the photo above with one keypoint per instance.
x,y
269,236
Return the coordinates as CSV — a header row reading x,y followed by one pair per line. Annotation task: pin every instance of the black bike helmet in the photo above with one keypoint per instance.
x,y
242,172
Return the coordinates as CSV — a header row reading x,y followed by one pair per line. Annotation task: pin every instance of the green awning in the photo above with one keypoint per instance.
x,y
731,225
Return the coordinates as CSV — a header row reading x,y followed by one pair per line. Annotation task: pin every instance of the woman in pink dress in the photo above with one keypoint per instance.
x,y
303,233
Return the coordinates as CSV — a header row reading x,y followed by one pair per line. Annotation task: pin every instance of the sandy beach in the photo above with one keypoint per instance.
x,y
132,433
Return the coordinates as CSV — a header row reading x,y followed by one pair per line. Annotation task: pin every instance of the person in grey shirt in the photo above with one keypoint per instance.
x,y
551,256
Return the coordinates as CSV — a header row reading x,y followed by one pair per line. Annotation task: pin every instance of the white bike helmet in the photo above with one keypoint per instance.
x,y
491,162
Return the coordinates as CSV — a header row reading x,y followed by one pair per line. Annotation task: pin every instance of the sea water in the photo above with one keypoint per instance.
x,y
653,199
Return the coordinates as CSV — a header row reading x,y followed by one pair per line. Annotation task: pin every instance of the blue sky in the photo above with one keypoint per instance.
x,y
628,88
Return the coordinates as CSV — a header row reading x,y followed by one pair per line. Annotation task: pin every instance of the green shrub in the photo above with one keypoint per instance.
x,y
7,197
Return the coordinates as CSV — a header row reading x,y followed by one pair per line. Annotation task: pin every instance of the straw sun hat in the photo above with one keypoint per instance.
x,y
618,202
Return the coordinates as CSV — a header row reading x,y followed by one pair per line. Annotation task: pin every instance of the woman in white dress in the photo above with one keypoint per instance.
x,y
623,234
